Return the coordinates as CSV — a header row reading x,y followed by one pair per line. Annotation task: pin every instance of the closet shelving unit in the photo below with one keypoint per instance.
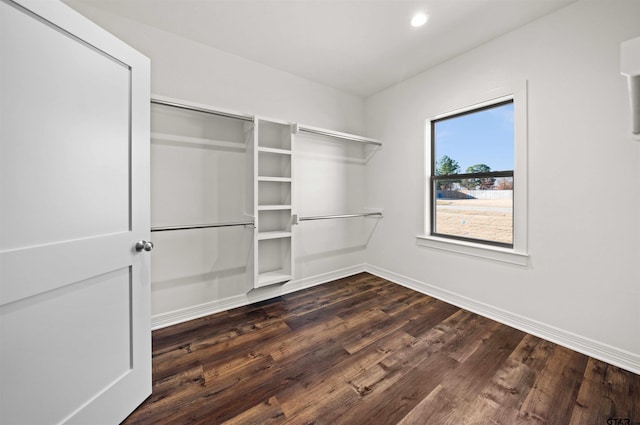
x,y
188,124
273,206
189,132
372,145
269,205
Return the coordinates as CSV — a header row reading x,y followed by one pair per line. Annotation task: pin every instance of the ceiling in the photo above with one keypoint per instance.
x,y
357,46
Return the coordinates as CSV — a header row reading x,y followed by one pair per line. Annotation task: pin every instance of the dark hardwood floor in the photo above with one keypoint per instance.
x,y
362,350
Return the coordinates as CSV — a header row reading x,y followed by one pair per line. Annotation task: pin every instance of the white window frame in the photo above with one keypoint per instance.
x,y
516,91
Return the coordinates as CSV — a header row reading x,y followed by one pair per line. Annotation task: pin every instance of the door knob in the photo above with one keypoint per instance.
x,y
144,245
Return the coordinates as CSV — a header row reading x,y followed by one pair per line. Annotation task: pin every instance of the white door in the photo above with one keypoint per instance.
x,y
75,340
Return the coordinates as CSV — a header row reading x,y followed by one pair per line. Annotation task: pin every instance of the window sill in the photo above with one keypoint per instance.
x,y
504,255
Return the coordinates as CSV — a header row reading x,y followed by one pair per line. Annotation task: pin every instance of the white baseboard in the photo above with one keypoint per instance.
x,y
194,312
598,350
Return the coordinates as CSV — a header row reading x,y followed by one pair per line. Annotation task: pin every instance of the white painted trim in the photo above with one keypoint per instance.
x,y
598,350
194,312
516,90
495,253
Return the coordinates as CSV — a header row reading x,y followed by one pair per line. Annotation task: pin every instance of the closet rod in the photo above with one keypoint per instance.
x,y
204,110
336,134
201,226
326,217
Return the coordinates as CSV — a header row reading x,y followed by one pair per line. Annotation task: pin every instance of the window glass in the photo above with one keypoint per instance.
x,y
472,175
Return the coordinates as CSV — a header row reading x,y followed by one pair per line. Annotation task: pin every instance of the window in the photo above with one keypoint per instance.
x,y
476,175
472,175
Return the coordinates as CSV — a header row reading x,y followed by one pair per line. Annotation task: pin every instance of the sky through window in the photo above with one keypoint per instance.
x,y
481,137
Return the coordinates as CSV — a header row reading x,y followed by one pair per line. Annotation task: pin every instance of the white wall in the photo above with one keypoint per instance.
x,y
188,70
581,286
199,271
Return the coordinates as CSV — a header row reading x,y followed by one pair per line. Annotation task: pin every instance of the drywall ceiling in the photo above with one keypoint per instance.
x,y
357,46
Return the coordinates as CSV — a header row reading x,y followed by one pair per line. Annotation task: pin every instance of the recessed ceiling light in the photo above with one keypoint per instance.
x,y
419,19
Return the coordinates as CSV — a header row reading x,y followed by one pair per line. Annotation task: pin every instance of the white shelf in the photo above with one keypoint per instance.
x,y
273,235
270,278
335,135
274,150
274,179
197,141
199,107
273,207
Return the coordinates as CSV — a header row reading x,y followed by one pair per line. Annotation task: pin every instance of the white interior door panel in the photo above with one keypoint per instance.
x,y
74,200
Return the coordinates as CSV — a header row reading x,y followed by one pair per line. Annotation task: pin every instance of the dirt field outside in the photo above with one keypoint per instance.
x,y
487,219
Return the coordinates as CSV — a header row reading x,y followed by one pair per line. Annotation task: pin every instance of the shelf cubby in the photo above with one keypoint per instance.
x,y
274,221
274,261
274,135
274,192
273,164
274,224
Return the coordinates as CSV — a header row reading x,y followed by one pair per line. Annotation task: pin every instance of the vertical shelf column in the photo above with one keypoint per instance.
x,y
273,196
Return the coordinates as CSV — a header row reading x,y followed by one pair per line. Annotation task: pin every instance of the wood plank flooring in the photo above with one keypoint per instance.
x,y
362,350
